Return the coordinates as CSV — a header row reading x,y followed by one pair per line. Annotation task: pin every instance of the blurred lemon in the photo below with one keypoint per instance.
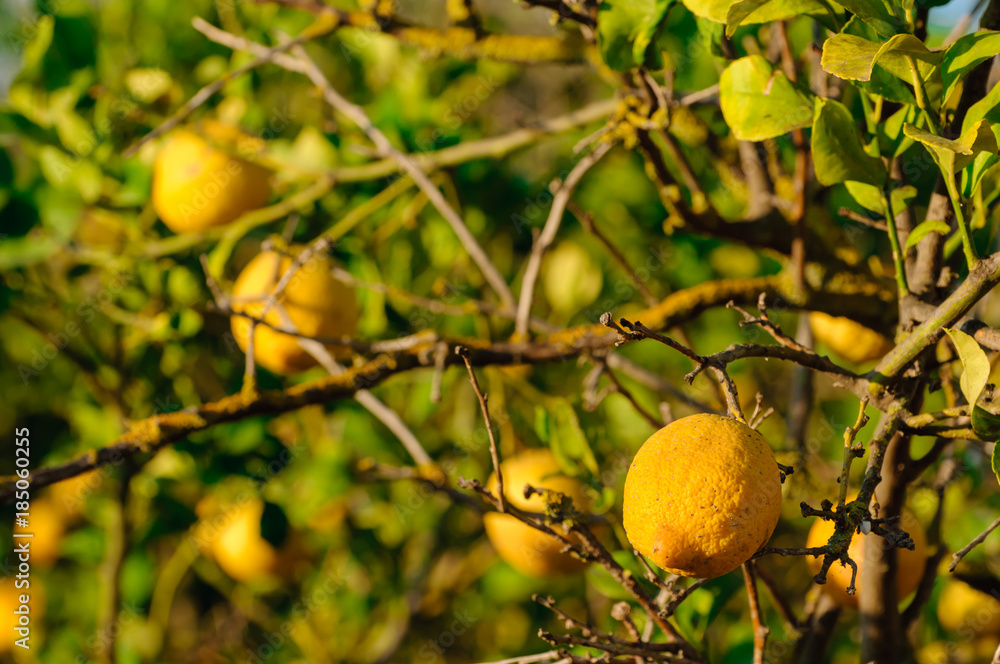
x,y
10,601
526,549
197,184
46,525
234,540
313,301
850,340
570,278
963,609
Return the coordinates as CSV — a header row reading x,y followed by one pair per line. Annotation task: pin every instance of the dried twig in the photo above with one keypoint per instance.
x,y
562,193
979,539
386,148
852,451
587,221
780,600
483,405
624,391
765,322
319,28
760,630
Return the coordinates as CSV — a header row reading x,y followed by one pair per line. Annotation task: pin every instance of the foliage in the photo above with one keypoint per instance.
x,y
834,157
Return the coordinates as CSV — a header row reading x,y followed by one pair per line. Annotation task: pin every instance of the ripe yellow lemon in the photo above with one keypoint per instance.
x,y
702,495
236,542
313,301
10,601
967,611
530,551
45,523
70,496
850,340
910,564
196,184
570,278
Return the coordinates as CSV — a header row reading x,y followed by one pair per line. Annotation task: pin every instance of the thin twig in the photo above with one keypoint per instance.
x,y
851,451
651,574
613,648
587,221
780,600
483,406
847,213
624,391
434,195
317,29
372,471
760,630
529,659
764,321
979,539
548,234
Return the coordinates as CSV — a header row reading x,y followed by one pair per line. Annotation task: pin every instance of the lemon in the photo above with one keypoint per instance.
x,y
850,340
910,564
702,495
570,278
10,601
313,301
526,549
197,185
45,523
237,544
965,610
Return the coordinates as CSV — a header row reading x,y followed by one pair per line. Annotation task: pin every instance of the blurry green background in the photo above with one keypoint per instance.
x,y
370,571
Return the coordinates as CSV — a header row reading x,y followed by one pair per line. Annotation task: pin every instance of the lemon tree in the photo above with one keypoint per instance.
x,y
499,332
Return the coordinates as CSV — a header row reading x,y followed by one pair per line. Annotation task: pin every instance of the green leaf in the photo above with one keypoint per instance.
x,y
869,196
876,14
973,174
965,54
838,153
744,12
704,605
625,30
759,102
924,229
987,426
975,365
714,10
854,58
952,155
567,440
893,141
988,109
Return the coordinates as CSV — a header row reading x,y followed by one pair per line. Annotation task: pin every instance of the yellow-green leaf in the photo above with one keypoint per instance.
x,y
965,54
751,12
837,150
759,102
975,365
924,229
854,58
987,426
